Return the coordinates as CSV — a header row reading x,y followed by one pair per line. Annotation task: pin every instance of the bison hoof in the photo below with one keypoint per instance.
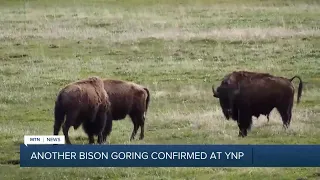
x,y
242,135
141,137
286,126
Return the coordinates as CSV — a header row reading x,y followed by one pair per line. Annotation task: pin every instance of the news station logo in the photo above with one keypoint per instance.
x,y
41,139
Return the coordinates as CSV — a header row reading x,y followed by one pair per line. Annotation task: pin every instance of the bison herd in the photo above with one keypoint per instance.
x,y
95,103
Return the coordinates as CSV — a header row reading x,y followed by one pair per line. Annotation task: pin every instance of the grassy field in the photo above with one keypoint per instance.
x,y
178,49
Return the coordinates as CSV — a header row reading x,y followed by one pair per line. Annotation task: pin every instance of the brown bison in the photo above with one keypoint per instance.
x,y
126,98
82,102
245,94
233,79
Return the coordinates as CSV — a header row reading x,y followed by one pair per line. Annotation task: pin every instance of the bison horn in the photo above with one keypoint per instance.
x,y
215,93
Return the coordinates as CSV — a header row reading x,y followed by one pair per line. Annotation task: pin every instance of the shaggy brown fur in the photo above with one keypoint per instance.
x,y
82,102
253,94
236,77
127,98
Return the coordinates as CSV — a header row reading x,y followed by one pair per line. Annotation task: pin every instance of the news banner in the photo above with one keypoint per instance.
x,y
39,151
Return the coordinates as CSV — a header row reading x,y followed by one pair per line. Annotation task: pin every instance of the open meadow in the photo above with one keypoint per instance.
x,y
177,49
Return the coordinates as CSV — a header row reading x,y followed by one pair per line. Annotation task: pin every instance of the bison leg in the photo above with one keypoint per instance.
x,y
285,116
65,129
96,127
136,120
135,129
57,126
289,113
100,139
59,118
141,120
71,117
89,128
244,123
91,139
242,133
141,131
108,128
101,123
94,114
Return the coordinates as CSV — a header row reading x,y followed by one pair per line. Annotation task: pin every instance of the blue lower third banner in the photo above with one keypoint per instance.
x,y
169,155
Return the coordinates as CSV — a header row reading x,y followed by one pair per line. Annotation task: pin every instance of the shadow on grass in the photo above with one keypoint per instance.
x,y
11,162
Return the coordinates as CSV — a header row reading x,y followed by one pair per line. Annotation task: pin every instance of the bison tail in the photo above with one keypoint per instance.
x,y
148,99
59,114
299,88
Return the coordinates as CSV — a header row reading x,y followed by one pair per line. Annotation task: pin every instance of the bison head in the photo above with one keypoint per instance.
x,y
226,95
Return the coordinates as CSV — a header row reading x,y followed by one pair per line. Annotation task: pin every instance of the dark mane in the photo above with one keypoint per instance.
x,y
252,74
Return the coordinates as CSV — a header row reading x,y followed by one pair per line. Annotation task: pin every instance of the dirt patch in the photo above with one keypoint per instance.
x,y
17,55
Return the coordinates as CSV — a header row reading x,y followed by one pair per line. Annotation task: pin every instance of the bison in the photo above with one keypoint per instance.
x,y
236,77
126,98
84,102
246,94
